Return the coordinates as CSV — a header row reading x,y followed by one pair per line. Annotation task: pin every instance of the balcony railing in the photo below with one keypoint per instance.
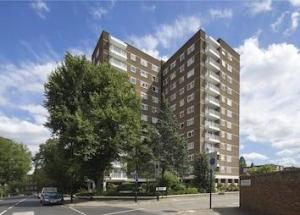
x,y
212,125
213,52
117,42
213,89
212,100
214,77
118,52
212,113
213,64
117,63
212,41
212,137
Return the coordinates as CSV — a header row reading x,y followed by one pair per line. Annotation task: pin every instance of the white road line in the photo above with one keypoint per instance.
x,y
75,211
23,213
3,212
122,212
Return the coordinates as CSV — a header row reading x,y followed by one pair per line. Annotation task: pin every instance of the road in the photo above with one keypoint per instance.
x,y
223,205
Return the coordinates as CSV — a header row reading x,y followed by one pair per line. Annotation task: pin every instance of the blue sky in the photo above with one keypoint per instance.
x,y
35,36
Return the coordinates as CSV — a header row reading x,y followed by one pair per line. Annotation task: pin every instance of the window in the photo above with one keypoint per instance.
x,y
222,157
154,109
154,99
229,68
190,73
155,68
190,145
191,49
165,71
223,63
144,117
229,136
223,134
181,103
181,69
166,91
223,52
223,99
190,122
181,80
155,89
173,97
173,86
181,114
144,62
222,122
133,57
154,78
229,158
190,97
190,61
222,110
182,57
154,120
133,69
190,157
173,107
229,79
165,82
132,80
229,125
181,91
229,113
190,134
144,95
223,75
229,102
228,147
190,109
173,64
229,57
144,85
172,76
223,87
229,91
190,85
144,74
144,106
181,125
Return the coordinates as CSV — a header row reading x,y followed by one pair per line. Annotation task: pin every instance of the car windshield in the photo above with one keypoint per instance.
x,y
51,195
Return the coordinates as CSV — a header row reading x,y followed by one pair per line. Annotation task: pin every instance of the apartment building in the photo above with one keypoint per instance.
x,y
200,81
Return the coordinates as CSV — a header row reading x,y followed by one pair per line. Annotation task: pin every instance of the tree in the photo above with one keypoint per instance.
x,y
170,148
261,170
201,172
95,113
15,162
243,164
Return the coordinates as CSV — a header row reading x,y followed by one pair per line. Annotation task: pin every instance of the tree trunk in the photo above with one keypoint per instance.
x,y
99,181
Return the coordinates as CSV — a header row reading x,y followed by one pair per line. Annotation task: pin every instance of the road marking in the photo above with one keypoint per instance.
x,y
121,212
3,212
23,213
75,211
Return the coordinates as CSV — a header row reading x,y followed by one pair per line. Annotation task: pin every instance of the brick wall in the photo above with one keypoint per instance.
x,y
272,194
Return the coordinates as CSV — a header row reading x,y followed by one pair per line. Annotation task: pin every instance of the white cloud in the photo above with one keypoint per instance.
x,y
254,157
23,131
166,35
295,3
295,16
98,11
279,21
38,112
260,6
225,13
270,80
40,7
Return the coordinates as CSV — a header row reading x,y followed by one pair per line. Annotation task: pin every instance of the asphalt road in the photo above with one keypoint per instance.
x,y
32,206
223,205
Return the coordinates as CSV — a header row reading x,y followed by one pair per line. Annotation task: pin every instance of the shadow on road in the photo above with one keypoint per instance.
x,y
230,211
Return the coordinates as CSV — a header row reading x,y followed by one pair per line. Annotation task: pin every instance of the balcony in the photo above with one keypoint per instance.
x,y
118,64
212,126
212,138
213,52
212,64
211,101
212,114
212,77
117,52
211,41
209,148
212,89
117,42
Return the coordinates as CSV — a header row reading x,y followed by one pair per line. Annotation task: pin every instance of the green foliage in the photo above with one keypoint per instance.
x,y
15,162
261,170
201,173
169,180
95,113
170,148
188,190
243,164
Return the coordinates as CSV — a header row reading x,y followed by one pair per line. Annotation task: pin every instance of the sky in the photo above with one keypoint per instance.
x,y
35,35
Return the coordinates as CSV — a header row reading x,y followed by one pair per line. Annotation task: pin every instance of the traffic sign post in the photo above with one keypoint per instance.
x,y
212,165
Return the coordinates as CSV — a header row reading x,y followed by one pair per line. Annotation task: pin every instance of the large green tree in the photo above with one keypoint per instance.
x,y
170,148
201,172
15,162
94,111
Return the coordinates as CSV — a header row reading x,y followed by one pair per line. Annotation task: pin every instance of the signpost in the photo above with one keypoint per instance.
x,y
212,165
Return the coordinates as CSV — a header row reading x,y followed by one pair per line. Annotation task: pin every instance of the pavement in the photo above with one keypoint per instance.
x,y
182,205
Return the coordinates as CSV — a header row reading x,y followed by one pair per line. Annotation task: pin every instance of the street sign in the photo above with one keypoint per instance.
x,y
212,161
161,188
246,182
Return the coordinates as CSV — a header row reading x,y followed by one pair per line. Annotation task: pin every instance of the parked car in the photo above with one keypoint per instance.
x,y
49,195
